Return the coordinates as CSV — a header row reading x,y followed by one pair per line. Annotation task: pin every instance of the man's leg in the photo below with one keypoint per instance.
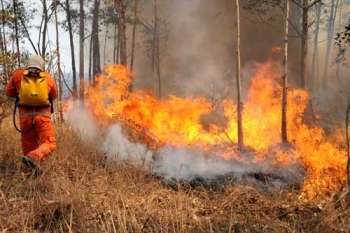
x,y
29,138
47,139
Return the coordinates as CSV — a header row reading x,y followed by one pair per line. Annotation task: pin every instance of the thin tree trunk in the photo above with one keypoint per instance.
x,y
16,32
155,53
81,50
4,41
2,50
45,26
72,50
160,86
338,69
40,34
115,35
3,24
304,43
115,45
284,129
118,45
157,49
314,77
122,31
238,77
348,144
105,44
60,92
154,47
96,58
13,42
134,35
3,55
330,35
90,61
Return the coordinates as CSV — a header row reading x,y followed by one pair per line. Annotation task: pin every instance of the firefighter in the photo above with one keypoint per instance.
x,y
34,90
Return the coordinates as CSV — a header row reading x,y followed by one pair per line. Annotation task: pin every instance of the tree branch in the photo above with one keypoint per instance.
x,y
28,35
314,3
295,28
66,84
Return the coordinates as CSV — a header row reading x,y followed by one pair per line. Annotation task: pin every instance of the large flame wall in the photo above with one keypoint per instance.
x,y
177,121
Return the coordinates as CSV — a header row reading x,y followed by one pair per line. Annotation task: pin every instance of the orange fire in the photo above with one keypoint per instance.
x,y
177,121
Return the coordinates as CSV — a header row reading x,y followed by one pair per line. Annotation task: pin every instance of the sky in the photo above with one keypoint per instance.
x,y
63,36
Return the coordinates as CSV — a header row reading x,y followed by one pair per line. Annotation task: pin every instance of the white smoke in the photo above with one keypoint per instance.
x,y
181,164
117,146
80,120
185,164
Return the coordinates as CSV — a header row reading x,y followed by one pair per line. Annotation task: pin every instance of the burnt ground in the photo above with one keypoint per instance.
x,y
81,191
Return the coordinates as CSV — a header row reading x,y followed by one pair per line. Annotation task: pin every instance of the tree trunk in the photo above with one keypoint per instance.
x,y
122,31
3,24
16,32
118,45
2,50
105,44
314,71
45,26
115,44
115,36
348,143
72,50
134,35
154,41
4,40
160,86
60,92
96,58
338,69
284,129
3,56
81,50
90,62
238,77
330,35
304,43
156,52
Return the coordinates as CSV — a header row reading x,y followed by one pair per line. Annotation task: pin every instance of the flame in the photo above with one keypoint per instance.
x,y
177,121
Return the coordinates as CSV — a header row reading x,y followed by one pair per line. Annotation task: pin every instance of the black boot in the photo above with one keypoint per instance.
x,y
32,165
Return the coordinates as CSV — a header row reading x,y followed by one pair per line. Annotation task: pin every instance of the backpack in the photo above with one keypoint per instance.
x,y
34,90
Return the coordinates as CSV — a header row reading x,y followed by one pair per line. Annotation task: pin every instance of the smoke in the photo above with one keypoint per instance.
x,y
112,141
198,45
80,120
180,164
200,49
186,164
117,146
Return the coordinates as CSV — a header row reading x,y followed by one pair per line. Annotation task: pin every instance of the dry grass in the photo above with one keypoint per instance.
x,y
81,191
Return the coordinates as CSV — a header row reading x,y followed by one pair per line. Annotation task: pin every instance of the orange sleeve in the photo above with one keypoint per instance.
x,y
15,81
52,87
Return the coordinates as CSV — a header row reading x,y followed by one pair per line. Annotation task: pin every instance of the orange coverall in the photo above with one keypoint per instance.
x,y
38,136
